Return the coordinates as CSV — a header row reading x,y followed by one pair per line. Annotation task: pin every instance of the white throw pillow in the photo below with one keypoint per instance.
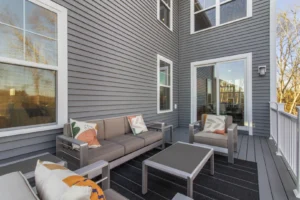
x,y
137,124
215,124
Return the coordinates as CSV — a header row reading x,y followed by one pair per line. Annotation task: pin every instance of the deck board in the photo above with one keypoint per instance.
x,y
275,182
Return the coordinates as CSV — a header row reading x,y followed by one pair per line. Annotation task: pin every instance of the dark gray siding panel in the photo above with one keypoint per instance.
x,y
112,56
249,35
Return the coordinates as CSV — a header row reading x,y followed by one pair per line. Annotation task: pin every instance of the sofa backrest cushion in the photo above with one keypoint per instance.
x,y
127,126
15,186
114,127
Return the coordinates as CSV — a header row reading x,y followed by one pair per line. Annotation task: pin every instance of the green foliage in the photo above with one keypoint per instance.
x,y
75,130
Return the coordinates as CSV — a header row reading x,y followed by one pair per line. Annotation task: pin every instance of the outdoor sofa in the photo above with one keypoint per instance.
x,y
118,144
226,143
15,186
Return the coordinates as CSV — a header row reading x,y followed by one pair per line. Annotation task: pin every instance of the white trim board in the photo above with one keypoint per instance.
x,y
61,69
161,58
171,13
248,95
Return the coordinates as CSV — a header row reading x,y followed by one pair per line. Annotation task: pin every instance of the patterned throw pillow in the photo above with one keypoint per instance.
x,y
137,124
215,124
55,182
86,132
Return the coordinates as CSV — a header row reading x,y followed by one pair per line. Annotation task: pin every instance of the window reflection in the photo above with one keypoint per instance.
x,y
233,10
205,19
27,96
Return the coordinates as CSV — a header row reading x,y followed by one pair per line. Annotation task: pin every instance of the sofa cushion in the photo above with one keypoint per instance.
x,y
110,194
211,139
100,127
127,126
108,151
150,137
15,181
114,127
130,142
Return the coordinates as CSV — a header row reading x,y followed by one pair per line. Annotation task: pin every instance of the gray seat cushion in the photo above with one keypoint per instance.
x,y
108,151
110,194
150,137
15,186
130,143
212,139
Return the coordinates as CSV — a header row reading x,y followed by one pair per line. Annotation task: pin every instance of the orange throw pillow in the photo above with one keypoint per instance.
x,y
85,132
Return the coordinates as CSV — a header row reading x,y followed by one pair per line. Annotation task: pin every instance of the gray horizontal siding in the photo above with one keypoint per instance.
x,y
249,35
112,57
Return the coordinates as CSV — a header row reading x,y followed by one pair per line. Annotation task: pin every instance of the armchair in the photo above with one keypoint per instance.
x,y
221,143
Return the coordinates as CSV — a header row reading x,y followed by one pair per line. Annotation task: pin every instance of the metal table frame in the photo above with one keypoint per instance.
x,y
163,130
173,171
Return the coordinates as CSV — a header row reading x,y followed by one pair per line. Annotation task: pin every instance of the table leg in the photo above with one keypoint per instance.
x,y
145,179
164,138
190,187
212,164
171,135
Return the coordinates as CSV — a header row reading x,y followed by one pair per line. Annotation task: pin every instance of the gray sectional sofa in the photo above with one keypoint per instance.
x,y
118,144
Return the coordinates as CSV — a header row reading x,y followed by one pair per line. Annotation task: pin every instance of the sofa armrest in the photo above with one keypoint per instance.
x,y
231,133
63,141
96,169
192,131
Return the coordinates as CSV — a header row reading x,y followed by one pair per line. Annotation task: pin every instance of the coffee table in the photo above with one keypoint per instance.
x,y
181,159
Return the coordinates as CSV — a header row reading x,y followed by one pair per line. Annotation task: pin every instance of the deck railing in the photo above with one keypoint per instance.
x,y
285,131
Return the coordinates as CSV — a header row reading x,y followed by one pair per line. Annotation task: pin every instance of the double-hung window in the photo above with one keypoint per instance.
x,y
164,85
211,13
165,12
33,66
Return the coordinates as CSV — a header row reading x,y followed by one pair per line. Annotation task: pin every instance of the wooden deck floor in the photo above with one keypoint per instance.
x,y
275,181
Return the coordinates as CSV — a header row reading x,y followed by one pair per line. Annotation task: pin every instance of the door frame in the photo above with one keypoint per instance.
x,y
248,95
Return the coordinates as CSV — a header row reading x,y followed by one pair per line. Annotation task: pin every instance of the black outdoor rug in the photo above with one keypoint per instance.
x,y
230,182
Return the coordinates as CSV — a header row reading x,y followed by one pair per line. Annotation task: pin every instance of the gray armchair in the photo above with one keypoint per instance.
x,y
221,143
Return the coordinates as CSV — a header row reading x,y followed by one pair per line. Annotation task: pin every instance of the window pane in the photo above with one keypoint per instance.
x,y
27,96
203,4
164,98
233,10
40,20
205,19
11,45
40,49
164,14
164,73
11,12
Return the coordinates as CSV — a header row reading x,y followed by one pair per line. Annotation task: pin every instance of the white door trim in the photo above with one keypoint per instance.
x,y
248,95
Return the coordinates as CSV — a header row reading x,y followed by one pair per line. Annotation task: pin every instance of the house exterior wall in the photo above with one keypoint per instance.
x,y
245,36
112,67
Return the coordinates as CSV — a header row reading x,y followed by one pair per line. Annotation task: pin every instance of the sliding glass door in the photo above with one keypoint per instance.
x,y
221,90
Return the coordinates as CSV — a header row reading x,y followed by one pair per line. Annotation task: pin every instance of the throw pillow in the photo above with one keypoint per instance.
x,y
137,124
215,124
86,132
55,182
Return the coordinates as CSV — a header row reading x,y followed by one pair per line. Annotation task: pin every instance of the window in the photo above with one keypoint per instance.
x,y
33,66
211,13
165,12
164,85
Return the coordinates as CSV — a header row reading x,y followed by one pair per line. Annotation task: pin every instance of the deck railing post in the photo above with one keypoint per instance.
x,y
297,190
271,123
280,107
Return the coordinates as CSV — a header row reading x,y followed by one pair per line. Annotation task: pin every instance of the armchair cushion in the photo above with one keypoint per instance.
x,y
15,186
215,124
219,140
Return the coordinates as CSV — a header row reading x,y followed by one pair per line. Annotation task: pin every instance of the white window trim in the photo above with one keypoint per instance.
x,y
217,6
161,58
61,69
248,95
171,13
